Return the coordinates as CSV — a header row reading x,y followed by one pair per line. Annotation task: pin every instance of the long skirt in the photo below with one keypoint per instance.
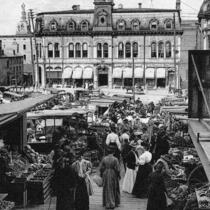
x,y
89,185
129,180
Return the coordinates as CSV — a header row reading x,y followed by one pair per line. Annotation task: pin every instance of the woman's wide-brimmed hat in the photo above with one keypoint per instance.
x,y
133,144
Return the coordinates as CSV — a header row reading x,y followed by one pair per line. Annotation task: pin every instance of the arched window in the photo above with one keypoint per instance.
x,y
78,50
168,49
85,50
84,25
135,24
153,50
71,50
121,25
121,50
53,26
135,49
57,50
99,50
106,50
50,50
128,50
71,26
154,25
160,50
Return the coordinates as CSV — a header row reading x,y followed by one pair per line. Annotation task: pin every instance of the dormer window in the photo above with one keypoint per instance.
x,y
53,26
154,25
84,26
71,26
168,24
135,25
121,25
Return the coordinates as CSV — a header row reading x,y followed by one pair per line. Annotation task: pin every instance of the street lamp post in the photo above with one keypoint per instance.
x,y
133,78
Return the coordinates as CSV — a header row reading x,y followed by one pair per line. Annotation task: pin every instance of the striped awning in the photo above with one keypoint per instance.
x,y
161,73
67,73
88,73
127,73
150,73
139,72
117,73
77,73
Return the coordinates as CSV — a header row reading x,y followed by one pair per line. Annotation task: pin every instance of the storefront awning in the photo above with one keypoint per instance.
x,y
77,73
139,72
150,73
127,73
88,73
161,73
117,73
67,73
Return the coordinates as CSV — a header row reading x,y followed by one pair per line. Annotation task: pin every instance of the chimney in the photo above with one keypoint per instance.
x,y
140,5
76,7
120,6
178,4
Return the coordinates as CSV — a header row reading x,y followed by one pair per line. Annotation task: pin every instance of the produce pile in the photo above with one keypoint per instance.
x,y
6,205
34,157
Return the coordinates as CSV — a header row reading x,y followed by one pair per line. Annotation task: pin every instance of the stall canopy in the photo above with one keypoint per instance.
x,y
161,73
150,73
67,73
127,73
117,73
77,73
88,73
18,107
139,72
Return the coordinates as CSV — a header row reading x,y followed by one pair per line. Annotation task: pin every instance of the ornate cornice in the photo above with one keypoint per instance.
x,y
110,33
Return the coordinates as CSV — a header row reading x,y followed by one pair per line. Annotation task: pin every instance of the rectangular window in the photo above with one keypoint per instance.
x,y
24,47
17,48
24,57
85,54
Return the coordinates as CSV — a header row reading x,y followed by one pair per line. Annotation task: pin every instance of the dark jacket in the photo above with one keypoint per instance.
x,y
131,160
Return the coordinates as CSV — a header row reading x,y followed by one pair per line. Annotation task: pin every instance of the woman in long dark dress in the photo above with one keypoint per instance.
x,y
157,191
70,189
110,172
140,189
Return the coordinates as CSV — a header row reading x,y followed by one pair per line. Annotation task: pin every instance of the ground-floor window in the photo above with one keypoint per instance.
x,y
128,82
139,82
150,82
78,82
117,82
87,83
102,79
68,82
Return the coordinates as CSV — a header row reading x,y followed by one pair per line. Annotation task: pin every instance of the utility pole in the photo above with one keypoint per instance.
x,y
144,78
133,77
32,53
36,47
176,69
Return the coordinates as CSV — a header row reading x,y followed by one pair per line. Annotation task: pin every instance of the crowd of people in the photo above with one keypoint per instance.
x,y
136,140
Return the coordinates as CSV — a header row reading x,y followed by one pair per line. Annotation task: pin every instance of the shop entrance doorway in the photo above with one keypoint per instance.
x,y
103,80
161,82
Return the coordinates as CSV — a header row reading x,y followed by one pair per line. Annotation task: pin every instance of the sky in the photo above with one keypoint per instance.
x,y
10,10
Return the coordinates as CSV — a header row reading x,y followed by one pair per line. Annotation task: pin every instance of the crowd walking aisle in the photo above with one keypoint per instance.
x,y
128,202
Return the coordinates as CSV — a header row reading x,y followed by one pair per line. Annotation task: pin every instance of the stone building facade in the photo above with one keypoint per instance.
x,y
11,70
203,41
109,46
19,44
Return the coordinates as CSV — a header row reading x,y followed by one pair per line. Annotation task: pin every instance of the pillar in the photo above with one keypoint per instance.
x,y
110,77
95,77
43,78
